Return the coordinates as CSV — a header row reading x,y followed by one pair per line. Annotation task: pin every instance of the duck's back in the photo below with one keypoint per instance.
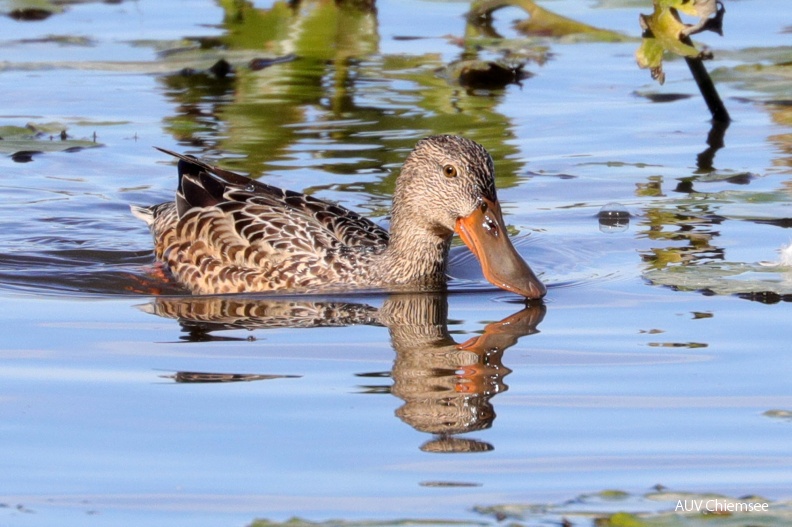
x,y
227,233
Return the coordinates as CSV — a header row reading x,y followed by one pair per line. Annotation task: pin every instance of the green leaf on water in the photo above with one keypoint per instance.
x,y
664,31
699,8
650,56
661,33
772,79
613,494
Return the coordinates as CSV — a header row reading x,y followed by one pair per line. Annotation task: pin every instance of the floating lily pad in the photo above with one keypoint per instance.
x,y
773,80
176,57
725,278
21,143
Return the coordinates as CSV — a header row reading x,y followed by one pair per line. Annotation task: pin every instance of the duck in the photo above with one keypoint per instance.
x,y
227,233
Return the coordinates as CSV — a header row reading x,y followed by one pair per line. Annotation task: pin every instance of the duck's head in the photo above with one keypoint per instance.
x,y
448,185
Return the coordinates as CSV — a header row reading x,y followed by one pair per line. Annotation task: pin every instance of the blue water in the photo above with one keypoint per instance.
x,y
620,384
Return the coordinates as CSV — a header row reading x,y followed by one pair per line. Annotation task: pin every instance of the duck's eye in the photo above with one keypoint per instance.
x,y
450,171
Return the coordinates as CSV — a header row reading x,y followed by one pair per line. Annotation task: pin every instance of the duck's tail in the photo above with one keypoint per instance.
x,y
143,213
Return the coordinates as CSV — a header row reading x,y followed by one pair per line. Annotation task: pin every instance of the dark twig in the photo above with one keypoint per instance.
x,y
696,64
706,86
704,161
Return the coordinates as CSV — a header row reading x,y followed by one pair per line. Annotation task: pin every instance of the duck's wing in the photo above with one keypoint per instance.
x,y
264,213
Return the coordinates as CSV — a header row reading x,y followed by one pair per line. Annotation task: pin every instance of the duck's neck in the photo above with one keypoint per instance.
x,y
415,256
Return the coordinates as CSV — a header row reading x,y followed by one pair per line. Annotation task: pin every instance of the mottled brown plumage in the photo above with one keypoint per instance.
x,y
226,233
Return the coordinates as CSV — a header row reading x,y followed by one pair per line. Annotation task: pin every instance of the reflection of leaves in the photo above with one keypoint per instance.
x,y
687,224
338,84
21,142
541,22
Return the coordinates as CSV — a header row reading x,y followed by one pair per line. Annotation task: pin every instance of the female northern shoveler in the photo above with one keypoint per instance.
x,y
226,233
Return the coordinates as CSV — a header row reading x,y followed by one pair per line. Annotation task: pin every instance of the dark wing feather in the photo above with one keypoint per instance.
x,y
203,185
197,190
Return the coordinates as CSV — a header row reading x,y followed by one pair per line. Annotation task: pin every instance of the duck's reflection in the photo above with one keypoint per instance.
x,y
446,386
201,316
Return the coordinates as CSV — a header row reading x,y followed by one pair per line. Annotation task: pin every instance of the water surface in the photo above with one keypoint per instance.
x,y
660,356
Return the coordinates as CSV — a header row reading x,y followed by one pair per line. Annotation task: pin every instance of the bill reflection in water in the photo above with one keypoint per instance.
x,y
446,386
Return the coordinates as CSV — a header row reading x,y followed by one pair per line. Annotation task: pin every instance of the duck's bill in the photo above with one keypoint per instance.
x,y
484,232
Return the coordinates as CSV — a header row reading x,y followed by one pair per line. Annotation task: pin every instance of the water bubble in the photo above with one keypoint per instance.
x,y
613,217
